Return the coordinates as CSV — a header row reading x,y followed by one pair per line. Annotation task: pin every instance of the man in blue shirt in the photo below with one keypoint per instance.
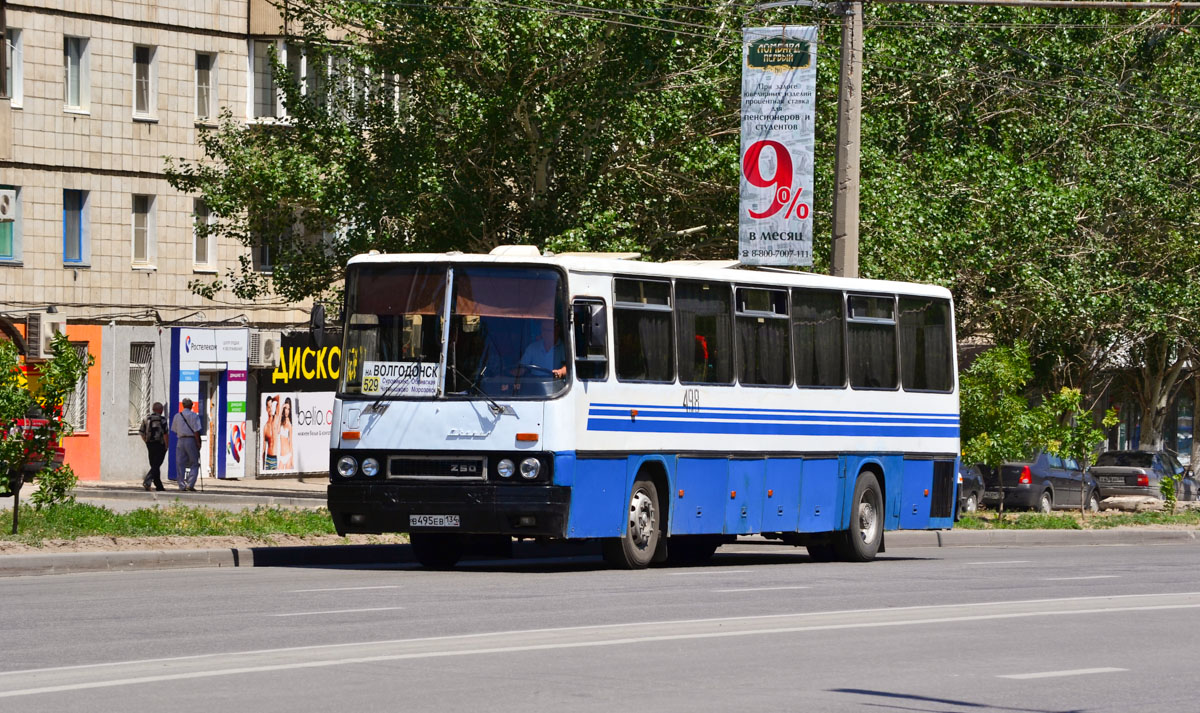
x,y
546,352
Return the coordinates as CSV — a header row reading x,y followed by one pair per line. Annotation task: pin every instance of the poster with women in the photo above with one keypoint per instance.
x,y
294,430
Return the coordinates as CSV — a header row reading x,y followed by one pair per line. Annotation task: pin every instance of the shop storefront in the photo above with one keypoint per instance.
x,y
209,366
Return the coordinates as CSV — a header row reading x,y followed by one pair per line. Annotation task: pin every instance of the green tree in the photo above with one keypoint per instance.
x,y
19,446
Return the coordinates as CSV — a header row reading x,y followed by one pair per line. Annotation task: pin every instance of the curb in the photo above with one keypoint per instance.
x,y
335,555
170,496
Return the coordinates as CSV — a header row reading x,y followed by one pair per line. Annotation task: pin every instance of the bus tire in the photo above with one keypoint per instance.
x,y
643,529
861,541
436,550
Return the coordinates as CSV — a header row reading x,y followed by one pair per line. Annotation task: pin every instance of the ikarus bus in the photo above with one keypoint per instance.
x,y
661,408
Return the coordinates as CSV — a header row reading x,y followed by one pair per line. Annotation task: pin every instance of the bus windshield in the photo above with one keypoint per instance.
x,y
506,337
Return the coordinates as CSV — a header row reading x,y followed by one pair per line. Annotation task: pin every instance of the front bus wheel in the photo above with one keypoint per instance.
x,y
861,542
643,528
437,550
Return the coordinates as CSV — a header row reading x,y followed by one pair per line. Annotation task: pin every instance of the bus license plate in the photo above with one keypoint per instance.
x,y
433,521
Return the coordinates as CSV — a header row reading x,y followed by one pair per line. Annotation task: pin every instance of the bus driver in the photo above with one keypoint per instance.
x,y
546,352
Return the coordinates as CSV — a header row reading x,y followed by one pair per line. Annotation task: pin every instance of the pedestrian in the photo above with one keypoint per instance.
x,y
154,433
186,427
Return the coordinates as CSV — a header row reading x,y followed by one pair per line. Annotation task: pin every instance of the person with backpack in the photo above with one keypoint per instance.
x,y
154,433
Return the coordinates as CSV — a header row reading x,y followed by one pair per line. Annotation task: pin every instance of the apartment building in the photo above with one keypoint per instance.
x,y
94,241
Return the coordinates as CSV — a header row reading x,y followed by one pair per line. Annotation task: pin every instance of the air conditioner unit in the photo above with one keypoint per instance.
x,y
40,328
264,349
8,205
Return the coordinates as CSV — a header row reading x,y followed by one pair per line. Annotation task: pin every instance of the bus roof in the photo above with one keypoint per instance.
x,y
602,264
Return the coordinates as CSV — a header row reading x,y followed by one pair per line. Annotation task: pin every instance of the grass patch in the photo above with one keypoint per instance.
x,y
69,521
989,520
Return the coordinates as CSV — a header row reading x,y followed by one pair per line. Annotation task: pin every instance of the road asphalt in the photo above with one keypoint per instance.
x,y
311,493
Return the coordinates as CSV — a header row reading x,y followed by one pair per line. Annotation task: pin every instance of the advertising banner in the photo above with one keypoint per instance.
x,y
779,81
294,428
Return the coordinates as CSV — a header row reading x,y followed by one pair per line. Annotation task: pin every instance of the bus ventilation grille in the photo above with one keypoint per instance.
x,y
438,468
942,504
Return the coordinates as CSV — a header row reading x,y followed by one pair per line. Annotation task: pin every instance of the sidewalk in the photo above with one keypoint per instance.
x,y
287,492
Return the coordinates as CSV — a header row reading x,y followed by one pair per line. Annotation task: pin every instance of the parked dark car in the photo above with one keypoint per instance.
x,y
1043,483
970,488
1141,473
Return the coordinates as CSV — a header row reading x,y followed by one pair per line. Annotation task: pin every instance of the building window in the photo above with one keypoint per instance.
x,y
75,73
206,85
144,81
76,406
143,230
265,99
14,68
10,224
303,71
202,239
75,230
261,257
141,356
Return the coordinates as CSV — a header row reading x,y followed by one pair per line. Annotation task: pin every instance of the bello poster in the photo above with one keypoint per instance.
x,y
294,430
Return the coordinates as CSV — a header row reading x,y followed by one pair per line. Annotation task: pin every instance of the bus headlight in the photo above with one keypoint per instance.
x,y
370,467
530,467
506,468
346,466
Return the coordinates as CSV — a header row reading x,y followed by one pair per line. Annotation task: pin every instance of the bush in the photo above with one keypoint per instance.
x,y
54,487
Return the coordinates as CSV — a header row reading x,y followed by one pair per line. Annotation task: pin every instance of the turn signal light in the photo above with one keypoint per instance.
x,y
351,435
528,437
1026,476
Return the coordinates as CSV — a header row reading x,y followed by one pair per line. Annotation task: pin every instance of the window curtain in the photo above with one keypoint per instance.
x,y
818,339
705,332
872,350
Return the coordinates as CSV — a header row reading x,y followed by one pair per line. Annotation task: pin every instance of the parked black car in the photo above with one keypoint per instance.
x,y
1043,483
970,488
1141,473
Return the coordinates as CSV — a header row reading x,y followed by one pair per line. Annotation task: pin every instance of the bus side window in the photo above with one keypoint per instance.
x,y
704,332
644,335
871,333
590,319
818,338
925,345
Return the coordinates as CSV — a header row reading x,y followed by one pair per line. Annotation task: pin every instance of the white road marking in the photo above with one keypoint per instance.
x,y
346,589
1071,579
337,611
126,673
706,571
757,589
1057,674
1000,562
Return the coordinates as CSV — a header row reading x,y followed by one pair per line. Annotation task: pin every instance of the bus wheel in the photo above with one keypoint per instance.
x,y
436,550
861,542
642,530
691,549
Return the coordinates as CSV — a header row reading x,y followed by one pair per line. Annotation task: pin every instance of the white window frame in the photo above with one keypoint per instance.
x,y
141,360
83,72
146,261
85,236
16,257
259,67
15,65
151,81
75,406
201,211
210,110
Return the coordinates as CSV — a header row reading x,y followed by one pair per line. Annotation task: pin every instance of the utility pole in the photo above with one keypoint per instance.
x,y
844,260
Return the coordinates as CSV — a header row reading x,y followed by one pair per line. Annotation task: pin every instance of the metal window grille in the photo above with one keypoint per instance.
x,y
141,357
76,406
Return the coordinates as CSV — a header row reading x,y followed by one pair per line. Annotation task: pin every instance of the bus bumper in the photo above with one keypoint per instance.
x,y
522,511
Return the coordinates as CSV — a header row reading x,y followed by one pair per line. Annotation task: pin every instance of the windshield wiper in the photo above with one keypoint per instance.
x,y
495,408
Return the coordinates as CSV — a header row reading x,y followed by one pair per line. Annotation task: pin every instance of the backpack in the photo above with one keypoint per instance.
x,y
152,429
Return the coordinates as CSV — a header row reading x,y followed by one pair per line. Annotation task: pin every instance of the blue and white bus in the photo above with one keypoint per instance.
x,y
661,408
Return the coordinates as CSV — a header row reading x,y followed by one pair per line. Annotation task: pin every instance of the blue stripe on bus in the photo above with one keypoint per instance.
x,y
812,416
751,428
745,410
